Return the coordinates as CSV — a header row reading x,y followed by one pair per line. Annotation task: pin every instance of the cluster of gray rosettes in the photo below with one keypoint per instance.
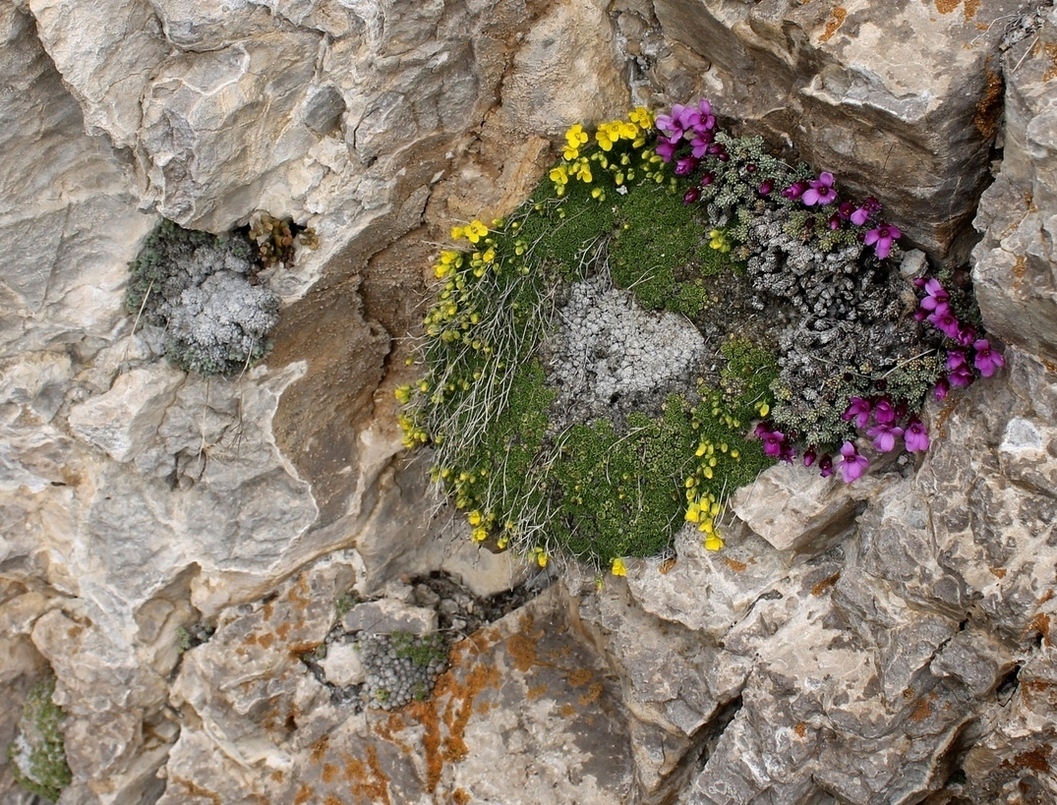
x,y
201,293
401,668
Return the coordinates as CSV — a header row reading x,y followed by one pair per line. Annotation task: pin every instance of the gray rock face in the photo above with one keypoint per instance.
x,y
888,642
900,100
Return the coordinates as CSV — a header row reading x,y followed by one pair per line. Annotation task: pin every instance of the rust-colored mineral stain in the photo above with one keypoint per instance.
x,y
265,640
825,584
461,797
922,711
1050,49
1041,624
835,21
800,729
303,795
998,572
283,630
1037,759
666,566
195,790
735,565
947,6
971,7
567,711
330,773
332,800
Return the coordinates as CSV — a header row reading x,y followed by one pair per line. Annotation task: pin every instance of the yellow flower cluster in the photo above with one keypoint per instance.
x,y
539,555
631,131
473,231
719,241
414,434
618,567
704,510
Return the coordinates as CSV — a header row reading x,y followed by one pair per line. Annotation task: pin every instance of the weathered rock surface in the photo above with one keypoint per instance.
x,y
900,100
889,642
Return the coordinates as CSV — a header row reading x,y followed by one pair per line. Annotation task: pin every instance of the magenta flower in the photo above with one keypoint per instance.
x,y
852,464
959,373
966,335
821,191
795,190
987,360
809,456
881,238
865,211
884,437
685,166
884,413
916,437
942,388
665,149
766,187
825,465
707,179
700,143
935,294
691,195
944,320
859,410
773,441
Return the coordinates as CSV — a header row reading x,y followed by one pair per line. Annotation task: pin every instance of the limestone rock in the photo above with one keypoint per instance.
x,y
387,616
125,420
524,715
1013,264
860,100
343,665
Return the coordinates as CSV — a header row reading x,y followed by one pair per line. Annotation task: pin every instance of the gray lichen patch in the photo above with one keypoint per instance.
x,y
610,355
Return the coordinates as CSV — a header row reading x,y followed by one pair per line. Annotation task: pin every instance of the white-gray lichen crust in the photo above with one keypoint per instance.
x,y
609,352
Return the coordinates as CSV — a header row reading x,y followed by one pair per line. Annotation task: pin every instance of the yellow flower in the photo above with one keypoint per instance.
x,y
574,138
539,555
641,117
479,534
475,517
582,171
713,542
403,394
693,512
559,175
475,231
763,408
618,568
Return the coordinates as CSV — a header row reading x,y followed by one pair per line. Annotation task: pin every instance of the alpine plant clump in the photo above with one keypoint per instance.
x,y
673,310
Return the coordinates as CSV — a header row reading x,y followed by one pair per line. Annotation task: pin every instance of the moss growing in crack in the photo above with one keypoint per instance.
x,y
38,756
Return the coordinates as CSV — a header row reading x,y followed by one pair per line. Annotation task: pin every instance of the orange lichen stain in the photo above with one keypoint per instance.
x,y
593,694
989,107
283,630
666,566
278,775
580,677
330,773
460,797
303,795
999,572
368,781
332,800
480,677
483,708
825,584
946,6
522,650
267,610
734,564
536,692
319,749
800,729
195,790
74,631
1047,596
970,9
265,640
835,21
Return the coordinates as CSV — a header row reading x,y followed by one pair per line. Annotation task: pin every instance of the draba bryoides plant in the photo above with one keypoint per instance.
x,y
672,310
